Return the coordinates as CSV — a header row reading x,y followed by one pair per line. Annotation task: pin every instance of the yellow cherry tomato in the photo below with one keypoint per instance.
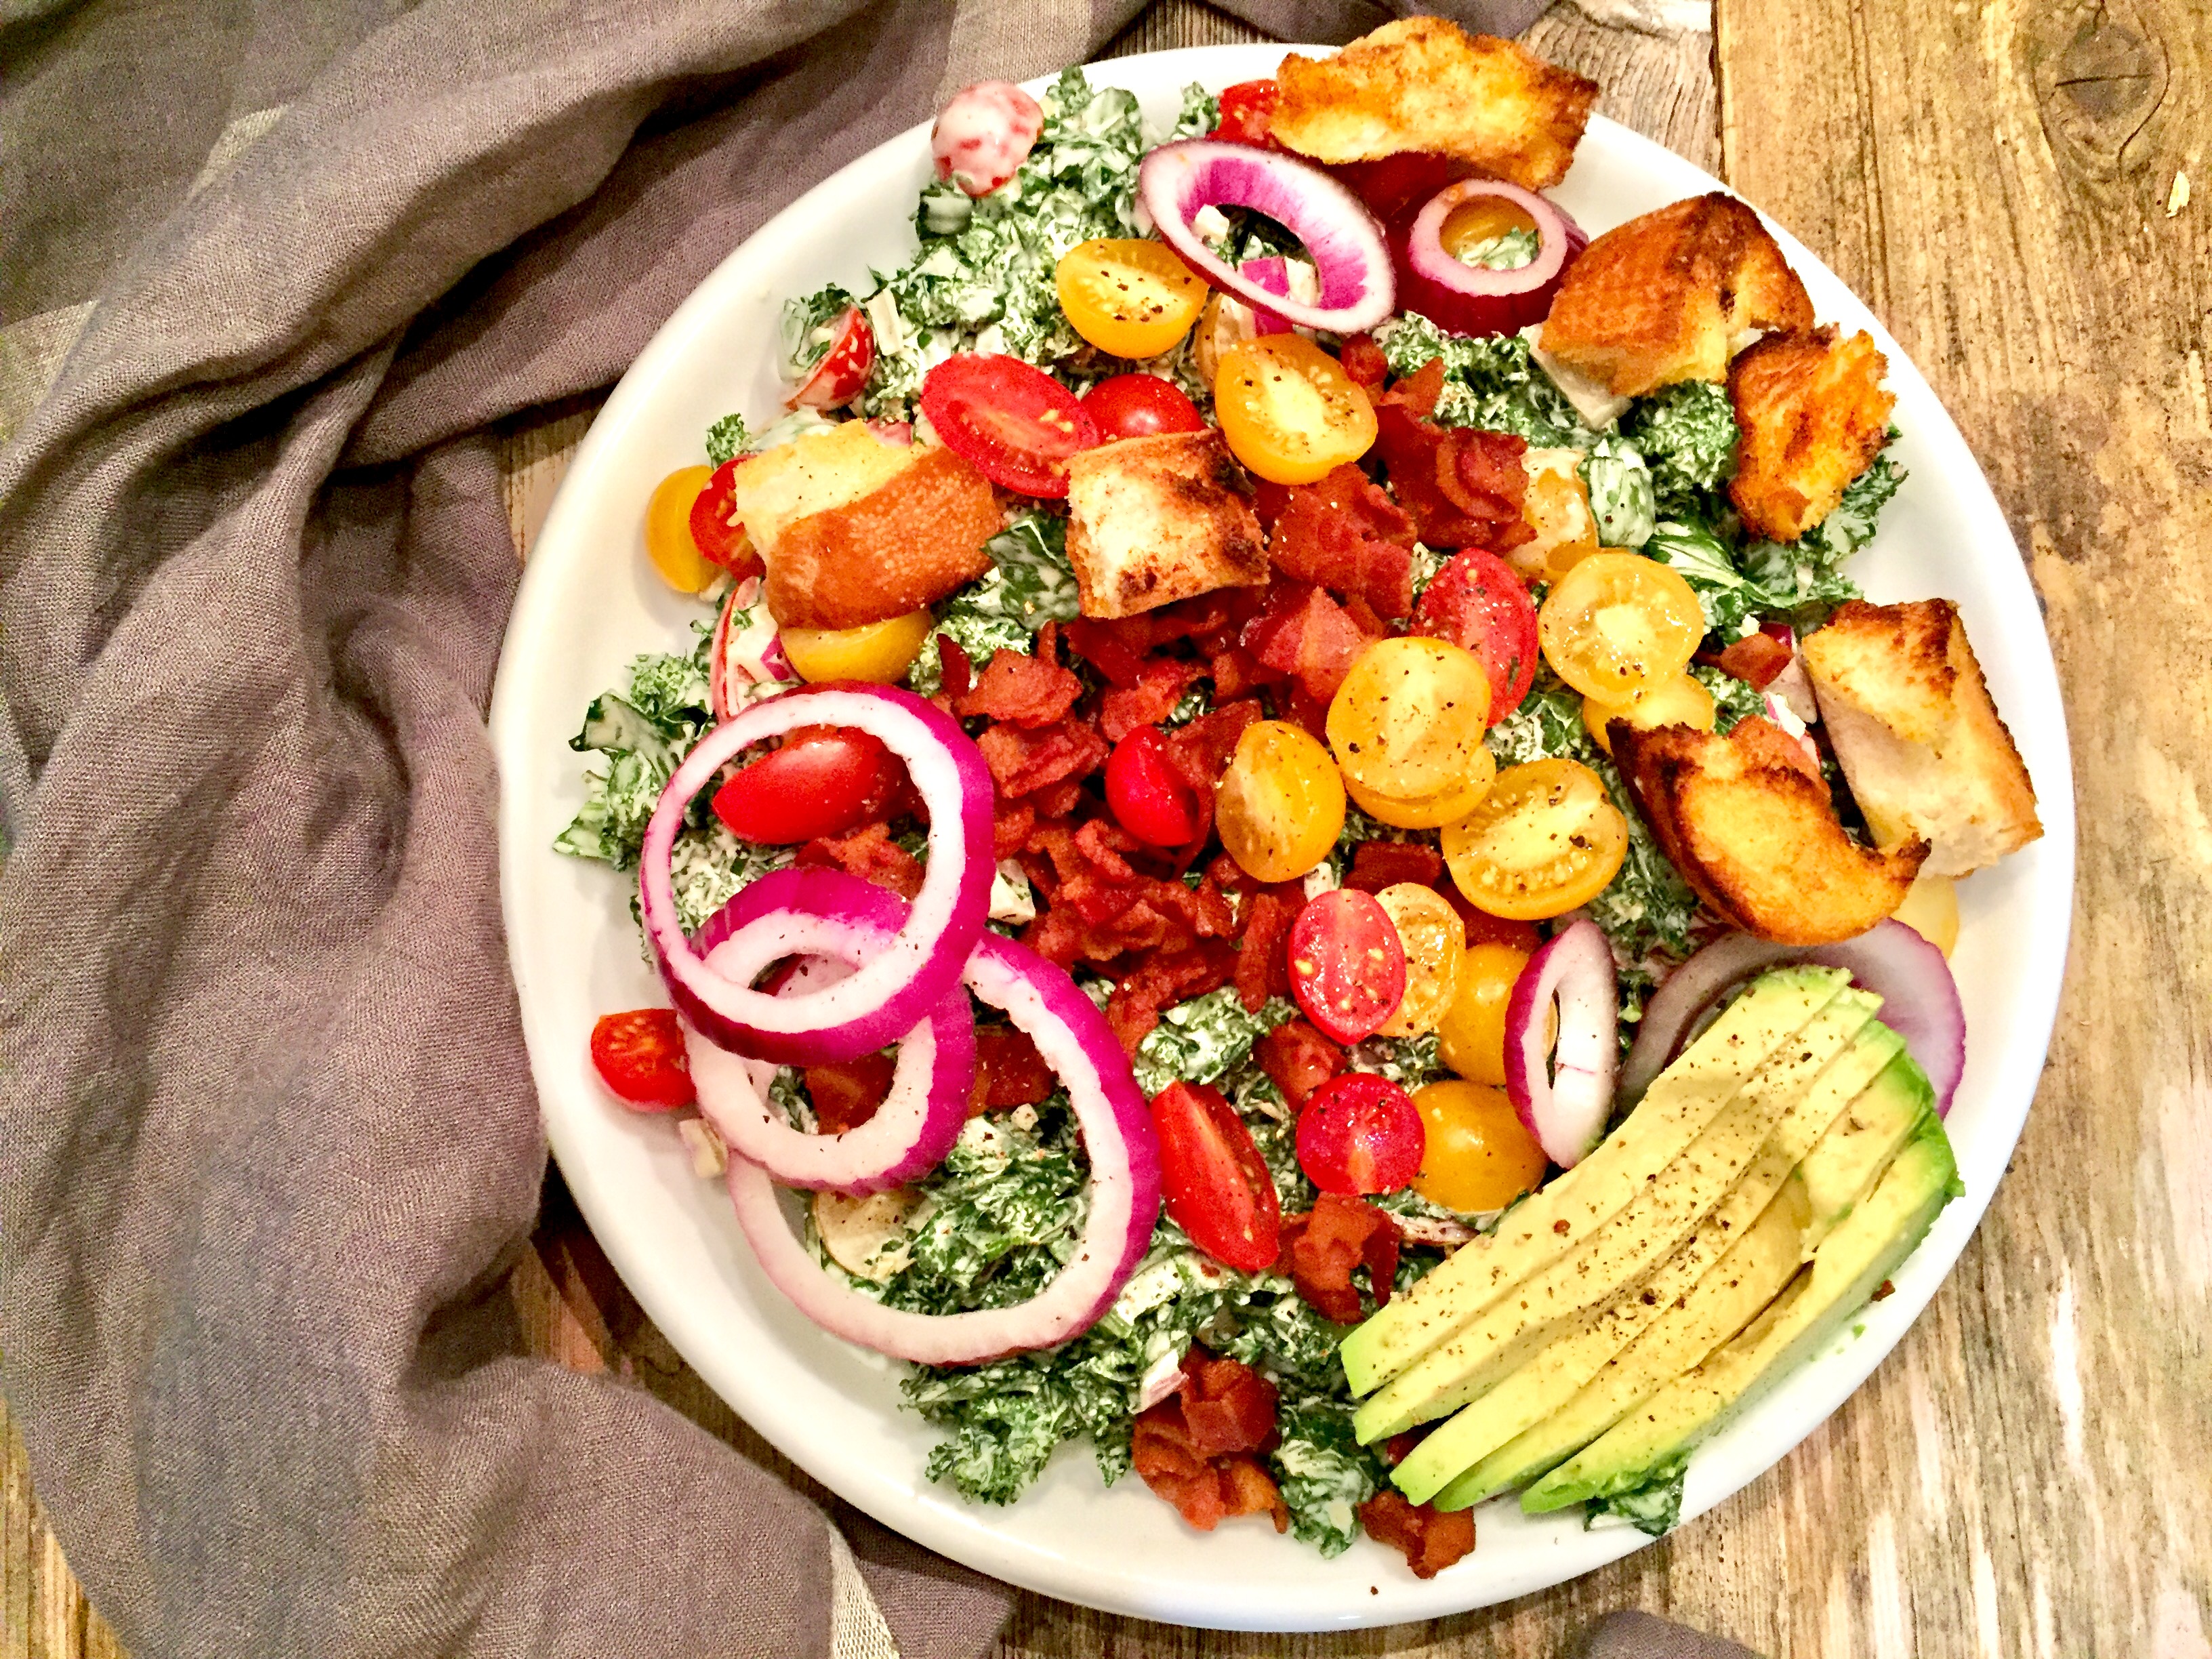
x,y
1279,807
1678,699
1556,504
880,652
1546,839
1483,219
1408,720
1435,941
1128,296
668,541
1471,1039
1478,1156
1618,621
1931,910
1288,410
1425,811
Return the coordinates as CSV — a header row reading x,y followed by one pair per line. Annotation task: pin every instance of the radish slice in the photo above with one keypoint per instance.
x,y
983,134
918,1121
1467,299
1340,236
1076,1041
894,989
1564,1103
747,651
1273,274
1919,999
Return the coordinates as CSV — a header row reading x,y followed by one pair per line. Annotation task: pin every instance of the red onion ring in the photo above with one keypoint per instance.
x,y
1466,299
1076,1041
1273,274
1564,1103
1919,998
892,990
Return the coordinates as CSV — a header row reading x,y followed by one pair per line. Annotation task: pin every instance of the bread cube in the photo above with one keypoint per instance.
x,y
1158,519
1810,416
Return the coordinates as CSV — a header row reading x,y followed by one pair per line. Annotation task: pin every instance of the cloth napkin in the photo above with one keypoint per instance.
x,y
271,1146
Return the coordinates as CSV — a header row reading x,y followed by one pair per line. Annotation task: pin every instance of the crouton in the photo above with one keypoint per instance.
x,y
1810,416
811,474
1668,296
1747,821
1154,520
1922,745
1424,83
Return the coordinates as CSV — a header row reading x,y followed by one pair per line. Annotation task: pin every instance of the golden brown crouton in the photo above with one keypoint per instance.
x,y
1922,744
1665,297
1154,520
1424,83
1747,821
810,474
1810,416
902,545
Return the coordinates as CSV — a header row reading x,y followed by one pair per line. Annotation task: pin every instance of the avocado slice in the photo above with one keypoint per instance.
x,y
1677,1108
1521,1418
1851,1157
1653,1441
1649,1228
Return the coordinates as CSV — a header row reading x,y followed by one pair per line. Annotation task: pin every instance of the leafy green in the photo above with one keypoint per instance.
x,y
1508,250
1029,583
808,325
1002,1216
1733,699
727,438
1686,434
643,735
1324,1472
1199,115
1493,384
1655,1508
1203,1040
1734,589
1409,1062
1621,493
1850,526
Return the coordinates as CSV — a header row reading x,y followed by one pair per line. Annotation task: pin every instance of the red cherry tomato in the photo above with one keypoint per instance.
x,y
1217,1184
714,523
1477,602
843,370
1361,1134
1247,110
640,1057
1347,964
1137,406
1015,424
821,782
1149,797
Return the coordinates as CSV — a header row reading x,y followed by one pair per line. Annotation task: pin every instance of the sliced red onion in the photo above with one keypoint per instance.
x,y
1340,236
1076,1041
1563,1094
892,990
746,651
918,1121
1466,299
1273,274
1919,998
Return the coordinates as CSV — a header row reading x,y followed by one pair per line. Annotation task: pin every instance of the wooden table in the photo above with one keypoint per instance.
x,y
2031,1473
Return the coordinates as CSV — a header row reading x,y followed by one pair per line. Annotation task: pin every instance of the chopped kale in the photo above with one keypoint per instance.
x,y
1655,1507
1621,493
642,736
727,438
1493,384
1030,583
1324,1472
1686,434
1850,526
1203,1040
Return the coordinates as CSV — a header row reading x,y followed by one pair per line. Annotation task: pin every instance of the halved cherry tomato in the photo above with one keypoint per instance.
x,y
1479,1156
1013,423
1148,796
1545,840
640,1057
1360,1133
823,781
668,540
1347,967
1618,621
1128,296
1288,410
843,369
1678,699
880,653
1407,722
1139,405
1216,1183
714,524
1247,111
1483,219
1424,812
1435,945
1279,807
1471,1038
1477,603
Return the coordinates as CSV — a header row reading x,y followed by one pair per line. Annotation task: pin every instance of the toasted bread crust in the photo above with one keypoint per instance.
x,y
1747,821
901,546
1158,519
1921,742
1424,83
1810,416
1664,297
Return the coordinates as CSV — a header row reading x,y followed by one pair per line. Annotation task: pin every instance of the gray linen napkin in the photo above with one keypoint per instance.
x,y
271,1145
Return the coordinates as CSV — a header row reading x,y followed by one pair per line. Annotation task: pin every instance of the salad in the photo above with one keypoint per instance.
x,y
1272,722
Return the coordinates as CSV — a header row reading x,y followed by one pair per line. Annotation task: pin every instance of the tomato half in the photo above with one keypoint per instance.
x,y
1556,506
1139,405
714,524
1407,722
1616,621
1128,296
1148,796
1479,1156
1478,604
1216,1183
880,653
1360,1133
1435,945
1546,839
640,1056
1288,410
668,541
1279,807
1471,1039
1424,812
1678,699
821,782
1347,966
843,369
1248,110
1015,424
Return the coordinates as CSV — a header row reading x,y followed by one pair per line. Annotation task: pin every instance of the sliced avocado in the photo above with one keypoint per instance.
x,y
1862,1252
1677,1108
1859,1146
1649,1228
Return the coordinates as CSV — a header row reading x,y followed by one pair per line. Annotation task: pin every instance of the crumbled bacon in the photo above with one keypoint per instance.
x,y
1462,488
958,673
1364,361
869,853
1430,1539
1299,1059
1009,1072
1343,534
1020,690
1025,763
1306,635
1756,660
1262,965
1418,393
1158,983
1481,474
1321,1248
1197,1448
1159,686
1379,864
846,1093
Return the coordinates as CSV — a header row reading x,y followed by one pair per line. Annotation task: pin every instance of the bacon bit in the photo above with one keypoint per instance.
x,y
1756,660
847,1094
1009,1072
1161,981
1462,488
1236,670
1481,473
1020,690
1419,393
1196,1448
1299,1059
1058,801
1400,1447
1012,827
959,674
1117,648
1430,1539
1379,864
1307,636
1262,967
1364,361
1323,1247
1024,762
870,853
1346,535
1159,686
1883,1291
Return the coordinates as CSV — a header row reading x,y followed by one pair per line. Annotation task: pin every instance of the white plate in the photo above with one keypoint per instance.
x,y
590,601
